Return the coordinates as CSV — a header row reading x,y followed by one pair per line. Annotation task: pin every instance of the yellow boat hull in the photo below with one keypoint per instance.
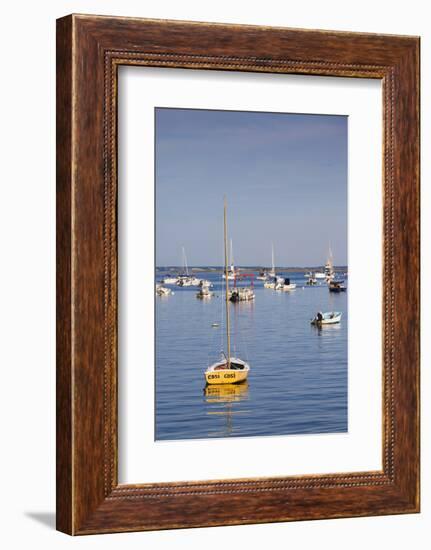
x,y
226,376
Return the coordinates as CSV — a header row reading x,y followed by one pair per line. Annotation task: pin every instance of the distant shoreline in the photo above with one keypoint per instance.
x,y
220,269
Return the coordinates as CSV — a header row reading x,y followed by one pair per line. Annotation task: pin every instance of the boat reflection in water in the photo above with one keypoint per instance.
x,y
223,401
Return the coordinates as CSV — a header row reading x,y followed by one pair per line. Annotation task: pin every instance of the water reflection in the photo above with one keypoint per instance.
x,y
222,401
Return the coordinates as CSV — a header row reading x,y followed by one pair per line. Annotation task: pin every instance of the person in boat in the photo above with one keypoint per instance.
x,y
319,316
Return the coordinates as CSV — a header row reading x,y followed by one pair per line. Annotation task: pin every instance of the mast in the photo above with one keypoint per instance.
x,y
226,260
231,256
185,261
330,257
273,262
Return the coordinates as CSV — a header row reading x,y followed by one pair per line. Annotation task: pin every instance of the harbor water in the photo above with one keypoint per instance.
x,y
298,372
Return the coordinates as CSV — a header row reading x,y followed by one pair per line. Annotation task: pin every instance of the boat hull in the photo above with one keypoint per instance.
x,y
327,320
287,288
226,376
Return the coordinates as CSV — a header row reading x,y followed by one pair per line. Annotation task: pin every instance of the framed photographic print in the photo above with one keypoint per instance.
x,y
237,274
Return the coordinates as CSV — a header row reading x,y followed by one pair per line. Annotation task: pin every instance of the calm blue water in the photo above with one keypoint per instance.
x,y
298,378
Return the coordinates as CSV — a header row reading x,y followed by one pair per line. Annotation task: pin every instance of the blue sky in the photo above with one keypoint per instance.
x,y
284,176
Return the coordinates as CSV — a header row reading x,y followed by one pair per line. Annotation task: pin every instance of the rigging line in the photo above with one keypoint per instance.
x,y
244,344
222,312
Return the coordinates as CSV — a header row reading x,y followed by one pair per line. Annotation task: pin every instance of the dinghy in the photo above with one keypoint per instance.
x,y
336,286
328,318
163,291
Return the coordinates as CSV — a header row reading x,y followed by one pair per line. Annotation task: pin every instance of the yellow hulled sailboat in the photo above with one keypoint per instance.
x,y
229,370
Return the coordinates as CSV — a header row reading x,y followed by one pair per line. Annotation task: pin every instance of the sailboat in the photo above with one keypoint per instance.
x,y
231,272
272,280
329,266
185,279
229,370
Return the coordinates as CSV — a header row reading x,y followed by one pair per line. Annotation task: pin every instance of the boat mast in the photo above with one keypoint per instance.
x,y
226,260
231,256
273,262
330,258
185,261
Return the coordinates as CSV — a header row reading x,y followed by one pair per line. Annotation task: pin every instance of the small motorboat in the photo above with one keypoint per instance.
x,y
285,285
328,318
204,292
270,283
241,294
188,280
163,291
336,286
205,283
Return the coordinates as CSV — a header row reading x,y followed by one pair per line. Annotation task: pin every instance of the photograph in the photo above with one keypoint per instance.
x,y
251,273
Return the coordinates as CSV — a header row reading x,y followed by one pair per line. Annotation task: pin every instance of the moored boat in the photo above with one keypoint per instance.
x,y
185,279
232,272
284,284
328,318
336,286
204,291
228,370
241,294
312,281
270,283
263,275
163,291
169,280
329,267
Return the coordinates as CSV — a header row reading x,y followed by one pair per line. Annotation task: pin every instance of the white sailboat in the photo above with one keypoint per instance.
x,y
229,370
231,273
185,279
272,280
329,266
169,280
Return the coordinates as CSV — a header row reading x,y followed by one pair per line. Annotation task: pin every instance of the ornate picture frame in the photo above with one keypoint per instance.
x,y
89,51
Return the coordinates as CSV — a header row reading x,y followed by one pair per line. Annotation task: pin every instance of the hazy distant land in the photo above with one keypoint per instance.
x,y
220,269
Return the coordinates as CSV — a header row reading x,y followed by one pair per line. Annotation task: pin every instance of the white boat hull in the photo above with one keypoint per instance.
x,y
286,288
330,318
170,281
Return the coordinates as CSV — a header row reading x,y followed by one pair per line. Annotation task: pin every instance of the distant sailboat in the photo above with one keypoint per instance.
x,y
272,280
185,279
231,273
329,266
229,370
272,272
